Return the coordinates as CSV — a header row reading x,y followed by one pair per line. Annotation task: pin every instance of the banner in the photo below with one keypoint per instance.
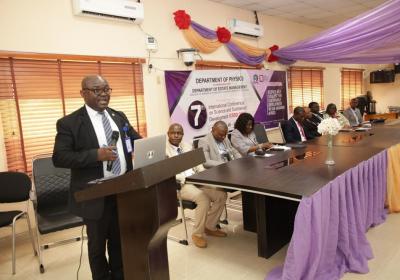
x,y
198,99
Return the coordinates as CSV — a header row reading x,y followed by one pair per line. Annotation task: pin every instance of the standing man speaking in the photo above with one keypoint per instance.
x,y
94,142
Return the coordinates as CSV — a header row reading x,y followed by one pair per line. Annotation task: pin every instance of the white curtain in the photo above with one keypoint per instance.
x,y
3,154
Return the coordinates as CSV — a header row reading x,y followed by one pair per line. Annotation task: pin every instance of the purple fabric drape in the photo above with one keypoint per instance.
x,y
237,52
175,81
372,37
242,57
329,232
203,31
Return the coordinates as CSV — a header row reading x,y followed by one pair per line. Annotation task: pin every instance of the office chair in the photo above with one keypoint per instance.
x,y
15,187
50,201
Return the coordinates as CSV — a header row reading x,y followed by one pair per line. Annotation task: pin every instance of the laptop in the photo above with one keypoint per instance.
x,y
275,135
149,150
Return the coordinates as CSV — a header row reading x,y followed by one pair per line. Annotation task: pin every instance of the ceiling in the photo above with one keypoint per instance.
x,y
317,13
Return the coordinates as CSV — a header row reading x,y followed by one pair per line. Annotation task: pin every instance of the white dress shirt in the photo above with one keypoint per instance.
x,y
188,172
96,119
301,131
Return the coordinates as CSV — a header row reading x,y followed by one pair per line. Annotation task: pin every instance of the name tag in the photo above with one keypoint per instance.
x,y
128,144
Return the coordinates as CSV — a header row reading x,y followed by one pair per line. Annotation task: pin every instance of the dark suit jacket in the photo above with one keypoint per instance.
x,y
76,147
291,132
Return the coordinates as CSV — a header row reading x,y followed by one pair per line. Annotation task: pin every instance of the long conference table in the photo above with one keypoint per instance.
x,y
272,187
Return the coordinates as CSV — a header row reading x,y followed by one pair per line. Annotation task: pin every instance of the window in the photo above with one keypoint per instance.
x,y
305,85
352,80
35,92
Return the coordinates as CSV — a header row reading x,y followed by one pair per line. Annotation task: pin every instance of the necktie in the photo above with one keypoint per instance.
x,y
179,150
116,167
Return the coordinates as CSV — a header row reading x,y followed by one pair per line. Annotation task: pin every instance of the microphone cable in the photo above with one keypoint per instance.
x,y
80,257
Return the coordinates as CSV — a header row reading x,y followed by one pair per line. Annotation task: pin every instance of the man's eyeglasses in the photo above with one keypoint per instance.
x,y
99,91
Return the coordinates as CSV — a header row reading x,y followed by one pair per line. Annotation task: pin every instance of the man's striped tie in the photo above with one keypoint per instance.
x,y
116,167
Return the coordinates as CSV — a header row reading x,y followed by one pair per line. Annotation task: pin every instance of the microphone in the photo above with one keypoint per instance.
x,y
114,139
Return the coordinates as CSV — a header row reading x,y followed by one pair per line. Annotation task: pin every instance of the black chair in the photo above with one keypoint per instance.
x,y
261,134
15,187
50,200
183,204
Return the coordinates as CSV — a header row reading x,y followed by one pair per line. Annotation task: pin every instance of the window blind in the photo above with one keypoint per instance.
x,y
352,83
35,93
305,85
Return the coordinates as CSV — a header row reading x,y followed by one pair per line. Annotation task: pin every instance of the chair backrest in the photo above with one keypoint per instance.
x,y
275,135
259,131
51,185
14,187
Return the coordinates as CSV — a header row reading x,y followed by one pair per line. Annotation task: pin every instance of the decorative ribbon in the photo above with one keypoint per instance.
x,y
208,41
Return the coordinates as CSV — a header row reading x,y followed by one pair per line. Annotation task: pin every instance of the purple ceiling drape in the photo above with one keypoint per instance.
x,y
370,38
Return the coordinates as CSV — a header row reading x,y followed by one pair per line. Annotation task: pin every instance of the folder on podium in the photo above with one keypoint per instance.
x,y
146,199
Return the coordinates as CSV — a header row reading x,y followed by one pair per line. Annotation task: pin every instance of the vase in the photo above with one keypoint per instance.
x,y
329,160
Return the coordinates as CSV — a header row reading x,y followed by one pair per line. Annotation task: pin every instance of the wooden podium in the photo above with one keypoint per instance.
x,y
147,209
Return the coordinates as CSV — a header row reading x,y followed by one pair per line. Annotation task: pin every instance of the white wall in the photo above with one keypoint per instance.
x,y
49,26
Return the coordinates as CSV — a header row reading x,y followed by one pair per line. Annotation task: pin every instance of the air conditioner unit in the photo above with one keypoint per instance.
x,y
245,28
129,10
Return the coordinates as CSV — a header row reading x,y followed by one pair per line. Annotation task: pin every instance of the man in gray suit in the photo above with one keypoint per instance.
x,y
217,148
353,114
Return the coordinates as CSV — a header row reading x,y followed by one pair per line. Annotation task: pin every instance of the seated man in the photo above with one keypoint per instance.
x,y
217,148
353,114
316,117
210,201
293,130
310,123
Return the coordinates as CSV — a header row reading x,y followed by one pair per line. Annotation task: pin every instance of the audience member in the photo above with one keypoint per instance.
x,y
243,137
217,149
210,201
331,112
309,123
317,117
353,114
293,130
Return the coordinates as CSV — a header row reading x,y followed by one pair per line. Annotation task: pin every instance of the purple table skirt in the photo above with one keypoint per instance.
x,y
329,231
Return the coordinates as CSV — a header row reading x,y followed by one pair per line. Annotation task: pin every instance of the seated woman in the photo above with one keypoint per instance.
x,y
243,137
331,112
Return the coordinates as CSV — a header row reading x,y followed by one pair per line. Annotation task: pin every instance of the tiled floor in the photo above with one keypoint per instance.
x,y
233,258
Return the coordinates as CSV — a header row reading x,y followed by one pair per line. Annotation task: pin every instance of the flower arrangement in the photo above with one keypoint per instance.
x,y
329,126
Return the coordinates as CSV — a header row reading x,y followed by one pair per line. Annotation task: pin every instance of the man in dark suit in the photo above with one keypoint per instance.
x,y
316,117
84,144
310,125
293,130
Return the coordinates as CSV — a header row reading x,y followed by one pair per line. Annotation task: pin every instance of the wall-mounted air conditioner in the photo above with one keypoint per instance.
x,y
129,10
245,28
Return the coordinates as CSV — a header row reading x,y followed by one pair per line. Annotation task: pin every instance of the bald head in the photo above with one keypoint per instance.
x,y
175,134
219,131
89,80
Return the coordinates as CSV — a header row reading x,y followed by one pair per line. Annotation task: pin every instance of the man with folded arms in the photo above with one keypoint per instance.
x,y
216,147
353,114
210,201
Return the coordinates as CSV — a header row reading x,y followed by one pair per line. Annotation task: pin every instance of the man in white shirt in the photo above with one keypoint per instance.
x,y
210,201
353,114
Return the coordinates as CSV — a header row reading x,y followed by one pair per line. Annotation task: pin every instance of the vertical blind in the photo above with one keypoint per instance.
x,y
305,85
35,93
352,82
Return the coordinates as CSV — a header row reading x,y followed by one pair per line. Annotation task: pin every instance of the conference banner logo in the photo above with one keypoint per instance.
x,y
197,99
